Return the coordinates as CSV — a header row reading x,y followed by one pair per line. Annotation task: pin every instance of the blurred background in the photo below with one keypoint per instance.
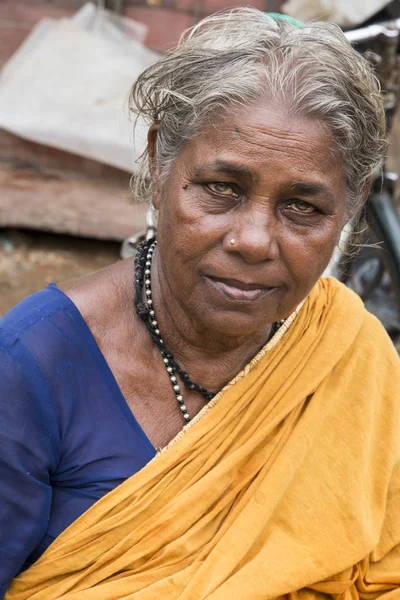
x,y
67,150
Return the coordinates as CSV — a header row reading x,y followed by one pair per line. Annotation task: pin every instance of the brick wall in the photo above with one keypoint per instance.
x,y
166,19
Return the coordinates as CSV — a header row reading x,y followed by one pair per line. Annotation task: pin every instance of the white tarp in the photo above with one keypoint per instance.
x,y
68,85
344,12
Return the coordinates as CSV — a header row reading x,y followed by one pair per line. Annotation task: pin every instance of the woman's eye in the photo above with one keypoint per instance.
x,y
223,189
300,206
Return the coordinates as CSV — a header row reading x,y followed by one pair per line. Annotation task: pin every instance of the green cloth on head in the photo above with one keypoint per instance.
x,y
280,17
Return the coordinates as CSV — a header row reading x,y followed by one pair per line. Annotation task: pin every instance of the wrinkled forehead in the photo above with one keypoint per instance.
x,y
254,135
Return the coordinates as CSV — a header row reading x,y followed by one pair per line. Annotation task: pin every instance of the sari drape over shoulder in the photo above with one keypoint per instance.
x,y
289,484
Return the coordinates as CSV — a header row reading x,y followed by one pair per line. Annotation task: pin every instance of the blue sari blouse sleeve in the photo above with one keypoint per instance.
x,y
67,435
29,451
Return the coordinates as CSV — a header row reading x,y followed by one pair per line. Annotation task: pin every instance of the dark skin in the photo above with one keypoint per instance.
x,y
267,181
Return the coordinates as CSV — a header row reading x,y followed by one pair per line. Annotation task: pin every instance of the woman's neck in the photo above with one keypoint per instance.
x,y
211,358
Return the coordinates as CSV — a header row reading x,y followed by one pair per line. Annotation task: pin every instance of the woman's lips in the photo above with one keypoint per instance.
x,y
239,290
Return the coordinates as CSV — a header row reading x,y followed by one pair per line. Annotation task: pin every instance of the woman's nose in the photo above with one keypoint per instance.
x,y
255,237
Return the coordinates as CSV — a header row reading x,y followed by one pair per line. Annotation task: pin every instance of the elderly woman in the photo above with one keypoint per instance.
x,y
215,421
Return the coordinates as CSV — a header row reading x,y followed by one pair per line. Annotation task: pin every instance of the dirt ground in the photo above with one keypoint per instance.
x,y
31,260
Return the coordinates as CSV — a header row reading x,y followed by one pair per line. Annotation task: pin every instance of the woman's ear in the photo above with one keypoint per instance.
x,y
153,162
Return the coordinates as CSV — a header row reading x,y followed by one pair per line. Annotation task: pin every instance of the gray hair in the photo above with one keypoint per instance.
x,y
233,57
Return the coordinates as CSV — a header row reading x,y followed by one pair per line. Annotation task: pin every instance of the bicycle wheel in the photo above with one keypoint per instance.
x,y
374,273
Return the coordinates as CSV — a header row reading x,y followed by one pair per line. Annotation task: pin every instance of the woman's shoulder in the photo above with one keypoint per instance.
x,y
32,313
75,306
371,360
104,299
41,338
49,355
377,348
371,338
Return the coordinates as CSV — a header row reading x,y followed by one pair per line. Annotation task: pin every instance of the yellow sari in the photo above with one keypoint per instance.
x,y
289,484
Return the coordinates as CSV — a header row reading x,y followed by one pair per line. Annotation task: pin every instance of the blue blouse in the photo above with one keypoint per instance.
x,y
67,435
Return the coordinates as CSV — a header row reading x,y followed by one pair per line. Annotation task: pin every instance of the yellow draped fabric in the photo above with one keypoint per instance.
x,y
288,485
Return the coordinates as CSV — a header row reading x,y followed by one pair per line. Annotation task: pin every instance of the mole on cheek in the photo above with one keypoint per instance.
x,y
185,187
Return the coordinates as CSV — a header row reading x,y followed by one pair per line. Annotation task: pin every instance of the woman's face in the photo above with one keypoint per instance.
x,y
248,219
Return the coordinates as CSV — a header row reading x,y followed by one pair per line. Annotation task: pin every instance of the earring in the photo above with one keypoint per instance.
x,y
232,242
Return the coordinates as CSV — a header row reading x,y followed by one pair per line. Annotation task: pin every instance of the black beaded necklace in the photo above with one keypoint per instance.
x,y
143,262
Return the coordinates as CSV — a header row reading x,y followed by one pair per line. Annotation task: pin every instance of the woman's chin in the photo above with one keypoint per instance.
x,y
232,324
234,312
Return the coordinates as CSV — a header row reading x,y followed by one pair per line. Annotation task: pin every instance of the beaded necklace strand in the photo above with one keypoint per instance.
x,y
143,262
